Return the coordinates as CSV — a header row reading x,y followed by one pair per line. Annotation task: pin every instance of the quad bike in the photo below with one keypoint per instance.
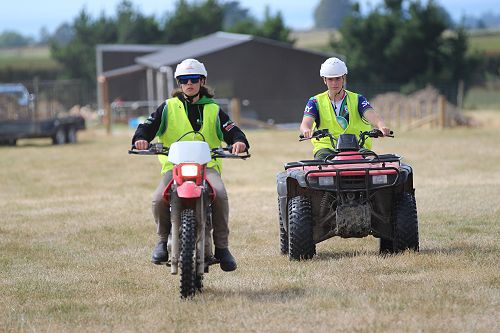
x,y
353,192
190,196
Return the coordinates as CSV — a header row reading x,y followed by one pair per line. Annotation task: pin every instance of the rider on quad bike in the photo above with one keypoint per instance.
x,y
337,109
347,190
192,108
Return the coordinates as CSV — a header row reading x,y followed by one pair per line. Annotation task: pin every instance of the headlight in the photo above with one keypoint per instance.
x,y
379,179
325,181
189,170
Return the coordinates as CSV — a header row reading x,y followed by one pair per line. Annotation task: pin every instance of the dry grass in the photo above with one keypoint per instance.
x,y
76,235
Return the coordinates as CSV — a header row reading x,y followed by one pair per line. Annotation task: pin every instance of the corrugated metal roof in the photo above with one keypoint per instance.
x,y
132,47
192,49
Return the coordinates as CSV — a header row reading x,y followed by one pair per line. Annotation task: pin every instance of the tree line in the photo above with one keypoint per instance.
x,y
406,42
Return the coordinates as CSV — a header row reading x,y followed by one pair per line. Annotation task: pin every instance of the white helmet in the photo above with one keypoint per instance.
x,y
190,67
333,67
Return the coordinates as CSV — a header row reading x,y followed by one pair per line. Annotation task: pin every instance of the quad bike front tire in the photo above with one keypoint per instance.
x,y
189,280
405,227
300,229
283,232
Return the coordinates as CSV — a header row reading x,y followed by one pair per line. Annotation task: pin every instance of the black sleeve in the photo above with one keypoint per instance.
x,y
147,130
230,131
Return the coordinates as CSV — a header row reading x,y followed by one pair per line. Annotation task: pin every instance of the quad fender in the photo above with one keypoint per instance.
x,y
287,184
406,178
286,181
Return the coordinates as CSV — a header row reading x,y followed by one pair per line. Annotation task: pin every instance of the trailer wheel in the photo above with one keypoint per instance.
x,y
59,138
8,142
71,135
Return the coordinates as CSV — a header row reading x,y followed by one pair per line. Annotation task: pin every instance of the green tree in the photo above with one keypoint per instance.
x,y
273,27
78,55
193,20
331,13
235,15
73,45
10,38
404,42
133,27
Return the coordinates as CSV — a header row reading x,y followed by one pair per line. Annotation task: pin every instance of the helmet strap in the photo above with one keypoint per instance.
x,y
191,98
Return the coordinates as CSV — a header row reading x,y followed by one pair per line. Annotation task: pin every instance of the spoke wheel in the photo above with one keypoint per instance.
x,y
189,281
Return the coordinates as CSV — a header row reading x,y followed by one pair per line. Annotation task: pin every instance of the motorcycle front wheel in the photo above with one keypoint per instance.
x,y
189,281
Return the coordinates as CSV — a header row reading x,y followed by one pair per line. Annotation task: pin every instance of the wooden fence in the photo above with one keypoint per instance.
x,y
404,115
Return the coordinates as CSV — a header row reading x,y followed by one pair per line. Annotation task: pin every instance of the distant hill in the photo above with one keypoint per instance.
x,y
315,39
482,40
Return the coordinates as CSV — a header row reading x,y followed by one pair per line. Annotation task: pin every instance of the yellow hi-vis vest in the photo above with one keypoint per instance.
x,y
177,124
328,120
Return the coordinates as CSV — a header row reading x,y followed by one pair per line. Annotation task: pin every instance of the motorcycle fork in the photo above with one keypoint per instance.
x,y
201,220
177,206
175,220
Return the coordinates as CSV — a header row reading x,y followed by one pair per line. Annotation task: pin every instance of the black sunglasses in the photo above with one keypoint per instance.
x,y
186,80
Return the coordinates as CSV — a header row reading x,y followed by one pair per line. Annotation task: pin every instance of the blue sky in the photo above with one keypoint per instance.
x,y
29,16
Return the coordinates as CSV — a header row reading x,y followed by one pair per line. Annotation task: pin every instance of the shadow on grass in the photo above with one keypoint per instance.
x,y
279,294
331,255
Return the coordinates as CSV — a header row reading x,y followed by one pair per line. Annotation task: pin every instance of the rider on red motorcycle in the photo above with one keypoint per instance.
x,y
192,107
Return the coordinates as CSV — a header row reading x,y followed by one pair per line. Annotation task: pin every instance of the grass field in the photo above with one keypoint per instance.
x,y
76,234
33,57
488,41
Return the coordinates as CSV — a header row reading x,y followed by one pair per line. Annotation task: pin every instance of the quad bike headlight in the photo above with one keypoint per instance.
x,y
189,170
379,179
326,181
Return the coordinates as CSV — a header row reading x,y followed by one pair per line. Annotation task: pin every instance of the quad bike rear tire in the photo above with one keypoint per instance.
x,y
188,254
405,227
283,232
59,138
300,229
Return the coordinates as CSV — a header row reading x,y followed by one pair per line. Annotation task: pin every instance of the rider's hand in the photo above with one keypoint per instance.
x,y
141,144
386,131
307,133
238,147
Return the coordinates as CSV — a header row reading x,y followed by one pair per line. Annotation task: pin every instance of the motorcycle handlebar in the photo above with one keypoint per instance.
x,y
158,149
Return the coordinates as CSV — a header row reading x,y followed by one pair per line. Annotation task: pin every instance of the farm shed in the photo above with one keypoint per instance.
x,y
272,80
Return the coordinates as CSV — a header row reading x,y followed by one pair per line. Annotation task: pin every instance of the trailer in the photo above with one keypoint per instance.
x,y
20,119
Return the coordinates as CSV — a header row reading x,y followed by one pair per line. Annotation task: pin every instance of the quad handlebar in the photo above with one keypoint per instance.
x,y
322,133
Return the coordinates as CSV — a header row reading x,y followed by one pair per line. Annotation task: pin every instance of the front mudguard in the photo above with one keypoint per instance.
x,y
189,190
288,183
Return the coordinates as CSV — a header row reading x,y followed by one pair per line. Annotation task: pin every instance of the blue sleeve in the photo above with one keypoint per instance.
x,y
311,109
363,105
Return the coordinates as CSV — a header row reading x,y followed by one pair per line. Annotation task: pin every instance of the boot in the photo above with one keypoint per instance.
x,y
227,261
160,253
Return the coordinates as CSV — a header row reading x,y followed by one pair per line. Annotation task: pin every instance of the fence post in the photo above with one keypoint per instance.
x,y
398,115
442,111
236,110
103,84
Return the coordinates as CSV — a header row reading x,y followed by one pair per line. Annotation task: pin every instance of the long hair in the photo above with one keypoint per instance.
x,y
204,91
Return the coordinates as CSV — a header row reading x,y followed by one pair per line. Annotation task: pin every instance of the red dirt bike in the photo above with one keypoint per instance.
x,y
190,196
353,192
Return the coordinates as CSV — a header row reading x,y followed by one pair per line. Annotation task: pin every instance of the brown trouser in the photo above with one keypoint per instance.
x,y
220,209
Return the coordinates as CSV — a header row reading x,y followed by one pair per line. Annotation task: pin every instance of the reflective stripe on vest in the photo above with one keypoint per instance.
x,y
178,124
328,120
